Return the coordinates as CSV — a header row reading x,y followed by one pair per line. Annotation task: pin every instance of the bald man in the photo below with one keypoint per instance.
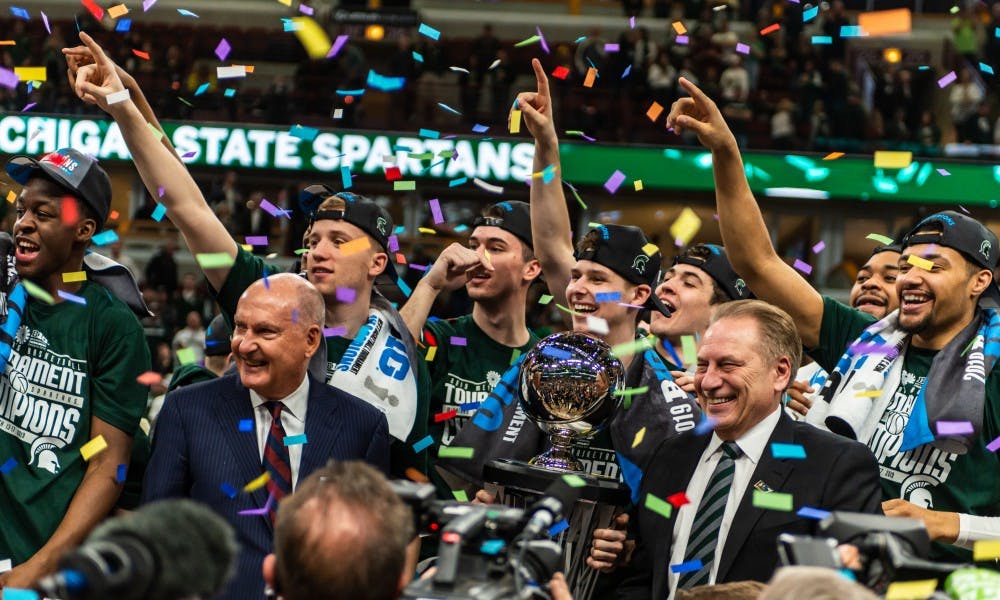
x,y
271,423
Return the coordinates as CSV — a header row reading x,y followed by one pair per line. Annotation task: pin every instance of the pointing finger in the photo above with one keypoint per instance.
x,y
541,79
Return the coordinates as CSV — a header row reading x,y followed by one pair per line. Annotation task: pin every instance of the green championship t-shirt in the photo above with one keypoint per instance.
x,y
247,269
964,483
69,363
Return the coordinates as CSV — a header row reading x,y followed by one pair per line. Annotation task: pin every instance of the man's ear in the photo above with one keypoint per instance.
x,y
85,229
981,281
313,338
378,264
640,294
532,269
267,569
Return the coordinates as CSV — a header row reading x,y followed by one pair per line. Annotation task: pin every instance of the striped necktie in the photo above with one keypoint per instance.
x,y
276,462
704,534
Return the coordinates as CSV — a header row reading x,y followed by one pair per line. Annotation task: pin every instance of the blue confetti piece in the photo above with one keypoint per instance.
x,y
303,133
357,92
123,25
457,182
429,133
626,72
808,512
477,128
186,13
470,406
159,212
345,177
423,444
104,238
847,31
608,296
558,528
403,287
429,31
687,567
398,230
8,466
779,450
121,474
16,594
71,297
202,89
448,108
383,83
20,13
295,440
706,425
418,56
228,490
809,14
822,40
556,353
290,25
229,93
492,547
985,68
246,424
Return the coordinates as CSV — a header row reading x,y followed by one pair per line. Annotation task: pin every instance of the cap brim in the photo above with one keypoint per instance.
x,y
654,303
387,282
991,297
20,168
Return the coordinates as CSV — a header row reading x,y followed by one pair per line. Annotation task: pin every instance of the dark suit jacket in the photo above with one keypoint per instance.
x,y
198,447
837,474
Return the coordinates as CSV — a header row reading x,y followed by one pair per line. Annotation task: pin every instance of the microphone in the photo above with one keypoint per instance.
x,y
555,505
166,550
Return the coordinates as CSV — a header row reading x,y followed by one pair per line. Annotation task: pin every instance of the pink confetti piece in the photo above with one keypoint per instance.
x,y
614,182
819,247
223,49
802,266
338,44
436,211
334,331
30,106
947,79
346,295
994,445
256,240
944,172
742,48
954,428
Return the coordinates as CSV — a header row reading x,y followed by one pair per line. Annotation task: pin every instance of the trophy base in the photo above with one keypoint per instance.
x,y
518,484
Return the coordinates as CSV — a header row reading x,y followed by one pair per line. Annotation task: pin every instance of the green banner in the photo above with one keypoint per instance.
x,y
461,160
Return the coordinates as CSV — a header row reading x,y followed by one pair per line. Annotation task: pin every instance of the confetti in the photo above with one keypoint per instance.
x,y
427,30
885,159
429,133
637,184
985,68
8,78
597,325
919,262
981,550
911,590
460,495
222,50
947,79
527,42
588,81
802,266
457,182
678,500
818,247
833,156
93,447
215,260
94,9
353,246
886,22
560,72
20,13
810,14
455,452
944,173
448,414
779,450
334,331
233,72
742,48
659,506
74,276
256,240
679,27
606,297
313,37
10,593
655,110
772,500
611,48
31,73
849,31
404,186
515,121
821,40
770,29
345,177
493,189
11,196
687,567
704,426
5,565
159,212
994,445
544,299
448,108
149,378
303,133
686,226
116,97
555,530
614,182
37,292
121,473
147,4
336,47
639,435
186,13
881,239
954,428
186,356
71,297
574,480
257,483
689,350
295,440
8,466
807,512
246,425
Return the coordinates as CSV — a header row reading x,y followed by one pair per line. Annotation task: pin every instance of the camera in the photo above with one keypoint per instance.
x,y
486,552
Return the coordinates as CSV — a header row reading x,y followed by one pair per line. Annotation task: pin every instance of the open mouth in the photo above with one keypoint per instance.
x,y
914,300
583,308
870,301
320,272
479,276
26,250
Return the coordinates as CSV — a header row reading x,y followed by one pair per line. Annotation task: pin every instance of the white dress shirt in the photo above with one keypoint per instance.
x,y
753,444
293,419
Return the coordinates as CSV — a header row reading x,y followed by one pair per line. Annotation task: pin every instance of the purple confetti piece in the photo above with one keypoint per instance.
x,y
334,331
801,266
346,295
819,247
742,48
190,154
947,79
256,240
682,40
30,106
631,22
541,39
160,190
260,511
944,172
994,445
272,210
8,78
337,45
417,267
45,21
436,211
954,428
306,10
614,181
707,424
393,243
223,49
295,315
457,341
72,297
611,47
147,4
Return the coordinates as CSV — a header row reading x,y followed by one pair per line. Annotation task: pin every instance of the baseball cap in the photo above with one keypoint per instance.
x,y
712,259
516,219
625,250
217,337
71,169
960,232
358,211
893,247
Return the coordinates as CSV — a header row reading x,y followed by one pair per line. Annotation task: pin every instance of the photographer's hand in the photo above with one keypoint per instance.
x,y
558,588
941,526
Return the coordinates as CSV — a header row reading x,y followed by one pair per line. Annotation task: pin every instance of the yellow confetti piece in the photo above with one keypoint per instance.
x,y
247,247
686,226
921,263
285,2
431,351
911,590
74,276
358,245
93,447
8,43
31,73
258,483
11,197
650,249
116,11
638,185
426,230
515,121
638,437
869,394
588,81
986,550
312,37
186,356
885,159
833,156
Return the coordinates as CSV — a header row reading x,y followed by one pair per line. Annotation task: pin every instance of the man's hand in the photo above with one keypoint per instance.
x,y
941,526
79,56
610,548
94,80
684,381
455,266
558,588
536,107
797,399
701,115
484,497
24,575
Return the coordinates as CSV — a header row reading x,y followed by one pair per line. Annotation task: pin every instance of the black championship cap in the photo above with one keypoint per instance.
x,y
712,259
71,169
217,337
625,250
962,233
516,220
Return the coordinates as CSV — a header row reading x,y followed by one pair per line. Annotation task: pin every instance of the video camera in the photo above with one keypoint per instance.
x,y
488,552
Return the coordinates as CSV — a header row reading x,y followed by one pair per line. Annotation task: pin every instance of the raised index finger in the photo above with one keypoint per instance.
x,y
694,91
541,79
94,48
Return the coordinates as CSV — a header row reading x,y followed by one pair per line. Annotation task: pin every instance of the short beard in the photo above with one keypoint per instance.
x,y
915,328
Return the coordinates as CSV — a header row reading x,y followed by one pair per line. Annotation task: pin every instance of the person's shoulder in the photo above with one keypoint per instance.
x,y
196,393
824,443
440,327
346,401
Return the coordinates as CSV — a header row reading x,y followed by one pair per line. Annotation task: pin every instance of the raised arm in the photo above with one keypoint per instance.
x,y
157,163
550,227
449,272
744,234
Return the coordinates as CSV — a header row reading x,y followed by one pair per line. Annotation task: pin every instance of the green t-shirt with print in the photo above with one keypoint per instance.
x,y
247,269
964,483
69,363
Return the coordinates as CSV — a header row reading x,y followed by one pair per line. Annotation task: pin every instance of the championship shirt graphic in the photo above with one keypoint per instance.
x,y
464,396
41,398
920,470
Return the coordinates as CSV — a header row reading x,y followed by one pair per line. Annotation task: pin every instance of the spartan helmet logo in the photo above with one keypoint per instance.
x,y
985,248
380,224
43,455
639,264
741,287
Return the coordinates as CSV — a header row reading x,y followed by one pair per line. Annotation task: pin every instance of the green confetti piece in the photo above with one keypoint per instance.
x,y
659,506
446,153
772,500
421,155
156,132
631,391
527,42
37,292
301,251
578,198
516,354
574,480
885,241
186,356
567,309
404,186
455,452
689,349
544,299
215,260
186,102
630,348
460,495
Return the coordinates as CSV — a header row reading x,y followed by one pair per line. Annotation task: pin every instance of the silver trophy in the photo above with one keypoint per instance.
x,y
568,387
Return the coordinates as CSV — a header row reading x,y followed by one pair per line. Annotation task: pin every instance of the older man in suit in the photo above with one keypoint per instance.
x,y
272,418
727,531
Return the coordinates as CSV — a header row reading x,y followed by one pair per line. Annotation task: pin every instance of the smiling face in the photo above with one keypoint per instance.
x,y
688,292
330,267
935,302
511,273
737,385
48,239
587,280
874,291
